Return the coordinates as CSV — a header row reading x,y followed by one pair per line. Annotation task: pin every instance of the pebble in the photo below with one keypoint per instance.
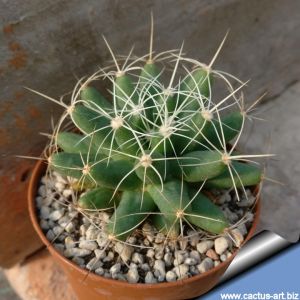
x,y
150,253
148,231
59,247
109,257
82,230
203,246
193,238
70,227
145,267
99,271
45,212
64,221
91,233
194,270
58,230
190,261
223,257
159,238
50,235
159,266
212,254
69,242
100,253
125,251
89,245
216,263
171,276
231,216
44,224
137,258
78,260
195,255
243,229
205,265
132,276
94,264
221,245
182,271
115,268
132,240
149,278
76,252
67,193
168,258
56,214
246,201
237,236
102,239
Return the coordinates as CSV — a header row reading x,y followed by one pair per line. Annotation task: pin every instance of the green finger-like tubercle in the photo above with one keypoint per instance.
x,y
248,175
206,215
99,198
93,96
134,207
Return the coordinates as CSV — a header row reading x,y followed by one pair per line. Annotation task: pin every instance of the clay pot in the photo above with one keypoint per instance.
x,y
89,286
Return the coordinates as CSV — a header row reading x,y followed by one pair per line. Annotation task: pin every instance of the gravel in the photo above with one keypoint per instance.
x,y
147,256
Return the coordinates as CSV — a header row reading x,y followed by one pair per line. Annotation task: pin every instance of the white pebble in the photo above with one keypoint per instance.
x,y
89,245
145,267
69,242
91,233
243,230
67,193
195,255
159,238
150,253
115,268
59,186
50,235
82,230
223,257
168,258
44,224
170,276
94,264
190,261
149,278
203,246
237,236
179,258
132,276
205,265
78,260
56,215
194,270
159,266
59,247
221,245
42,191
102,239
70,227
125,251
193,238
100,253
182,271
216,263
76,252
109,257
45,212
58,230
137,258
99,271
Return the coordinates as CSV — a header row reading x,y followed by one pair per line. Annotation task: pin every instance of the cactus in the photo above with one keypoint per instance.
x,y
157,146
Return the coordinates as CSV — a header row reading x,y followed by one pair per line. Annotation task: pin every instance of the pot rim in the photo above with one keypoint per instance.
x,y
39,169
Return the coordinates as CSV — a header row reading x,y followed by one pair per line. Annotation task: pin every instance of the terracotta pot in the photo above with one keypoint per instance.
x,y
89,286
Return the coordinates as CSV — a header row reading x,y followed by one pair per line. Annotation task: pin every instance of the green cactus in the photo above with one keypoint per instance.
x,y
152,150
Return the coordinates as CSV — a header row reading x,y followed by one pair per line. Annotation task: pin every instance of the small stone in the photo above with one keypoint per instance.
x,y
132,240
205,265
148,231
89,245
39,201
45,212
58,230
146,242
212,254
159,254
179,258
243,230
231,216
193,238
82,230
183,243
195,255
69,242
72,213
76,252
64,221
94,264
182,271
221,245
42,191
100,253
56,214
249,216
246,201
203,246
145,267
190,261
78,260
168,258
216,263
104,216
120,277
59,186
50,235
238,237
171,276
133,265
149,278
125,251
115,268
150,253
223,257
109,257
159,266
51,224
99,271
159,238
132,276
91,233
194,270
137,258
107,275
44,224
70,227
67,193
102,239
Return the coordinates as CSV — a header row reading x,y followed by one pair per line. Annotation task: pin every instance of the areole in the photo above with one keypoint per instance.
x,y
89,286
